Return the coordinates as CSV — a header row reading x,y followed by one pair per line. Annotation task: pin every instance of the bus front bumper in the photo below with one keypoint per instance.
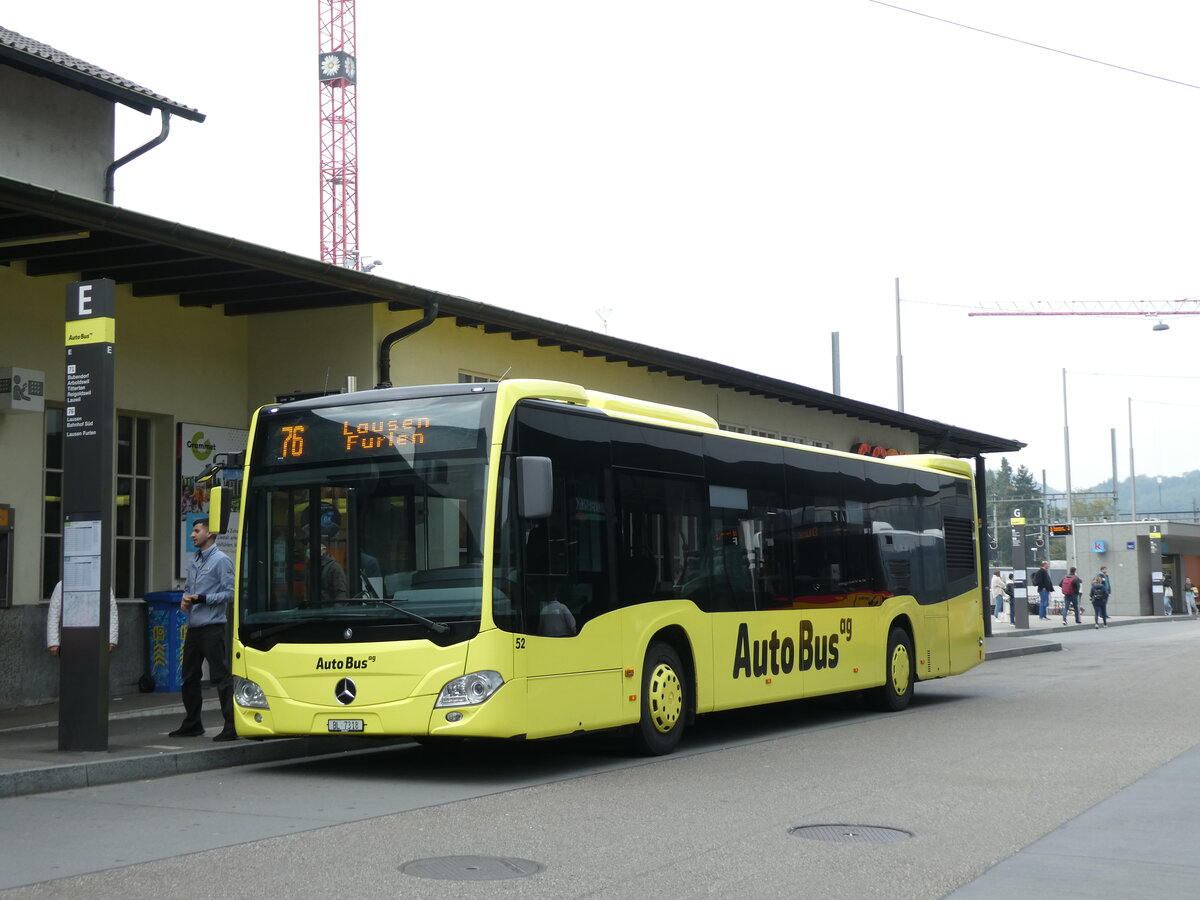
x,y
500,716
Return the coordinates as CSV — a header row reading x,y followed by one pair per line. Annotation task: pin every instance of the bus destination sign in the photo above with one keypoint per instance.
x,y
348,432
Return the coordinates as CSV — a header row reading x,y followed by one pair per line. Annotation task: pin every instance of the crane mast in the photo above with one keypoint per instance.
x,y
338,133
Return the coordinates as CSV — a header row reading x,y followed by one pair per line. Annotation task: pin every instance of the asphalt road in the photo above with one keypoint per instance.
x,y
981,766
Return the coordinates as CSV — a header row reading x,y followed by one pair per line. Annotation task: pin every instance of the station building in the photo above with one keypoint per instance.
x,y
1143,558
209,328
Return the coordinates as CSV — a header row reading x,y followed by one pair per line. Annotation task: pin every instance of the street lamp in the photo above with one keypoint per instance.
x,y
1132,470
1067,456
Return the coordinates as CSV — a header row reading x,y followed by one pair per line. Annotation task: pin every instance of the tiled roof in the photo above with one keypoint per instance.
x,y
41,59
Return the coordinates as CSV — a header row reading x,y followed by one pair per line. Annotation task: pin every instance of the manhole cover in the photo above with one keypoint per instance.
x,y
851,834
471,868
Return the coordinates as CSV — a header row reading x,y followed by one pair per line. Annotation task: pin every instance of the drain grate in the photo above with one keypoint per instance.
x,y
851,834
471,868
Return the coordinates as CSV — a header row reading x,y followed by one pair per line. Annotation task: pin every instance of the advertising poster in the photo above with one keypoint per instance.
x,y
197,444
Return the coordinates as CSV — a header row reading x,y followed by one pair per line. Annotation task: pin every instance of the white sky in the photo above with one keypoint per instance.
x,y
735,180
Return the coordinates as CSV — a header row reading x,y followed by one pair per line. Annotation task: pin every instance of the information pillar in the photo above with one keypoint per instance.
x,y
1020,586
87,503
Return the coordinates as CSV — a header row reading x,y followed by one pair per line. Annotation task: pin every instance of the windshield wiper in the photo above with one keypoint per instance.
x,y
435,627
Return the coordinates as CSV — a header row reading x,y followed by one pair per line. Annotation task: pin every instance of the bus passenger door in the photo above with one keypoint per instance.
x,y
966,626
571,650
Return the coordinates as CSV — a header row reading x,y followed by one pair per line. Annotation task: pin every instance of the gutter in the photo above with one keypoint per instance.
x,y
385,346
110,173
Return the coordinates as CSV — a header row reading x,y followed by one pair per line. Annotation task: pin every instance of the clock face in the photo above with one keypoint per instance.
x,y
330,65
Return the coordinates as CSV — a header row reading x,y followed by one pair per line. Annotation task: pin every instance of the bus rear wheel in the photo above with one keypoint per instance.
x,y
664,701
900,673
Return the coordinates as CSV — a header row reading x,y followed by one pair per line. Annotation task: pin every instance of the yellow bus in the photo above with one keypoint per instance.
x,y
530,559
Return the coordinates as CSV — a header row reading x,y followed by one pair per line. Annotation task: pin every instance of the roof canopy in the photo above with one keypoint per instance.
x,y
57,234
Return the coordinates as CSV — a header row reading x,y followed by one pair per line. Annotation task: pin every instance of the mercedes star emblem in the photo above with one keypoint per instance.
x,y
345,691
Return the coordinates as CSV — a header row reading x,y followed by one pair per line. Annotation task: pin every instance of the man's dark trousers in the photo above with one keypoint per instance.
x,y
205,642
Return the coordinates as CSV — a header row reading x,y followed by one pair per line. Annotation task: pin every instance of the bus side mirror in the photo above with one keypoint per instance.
x,y
220,501
535,487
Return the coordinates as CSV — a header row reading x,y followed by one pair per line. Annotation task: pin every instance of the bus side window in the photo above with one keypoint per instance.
x,y
659,518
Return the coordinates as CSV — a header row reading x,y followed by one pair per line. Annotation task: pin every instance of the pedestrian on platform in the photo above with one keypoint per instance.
x,y
1043,585
1168,596
1010,588
206,594
997,594
1099,598
54,621
1189,596
1070,588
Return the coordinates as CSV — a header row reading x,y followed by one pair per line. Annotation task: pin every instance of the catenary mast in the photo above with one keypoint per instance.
x,y
339,138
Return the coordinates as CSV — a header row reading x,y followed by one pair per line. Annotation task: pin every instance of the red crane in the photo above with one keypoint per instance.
x,y
339,136
1148,308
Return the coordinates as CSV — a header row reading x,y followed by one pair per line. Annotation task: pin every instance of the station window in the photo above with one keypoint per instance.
x,y
52,501
132,523
131,564
807,442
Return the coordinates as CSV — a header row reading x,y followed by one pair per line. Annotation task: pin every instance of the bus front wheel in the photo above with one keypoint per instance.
x,y
899,672
664,701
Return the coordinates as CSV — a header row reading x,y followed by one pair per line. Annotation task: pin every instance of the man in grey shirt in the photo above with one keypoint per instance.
x,y
207,594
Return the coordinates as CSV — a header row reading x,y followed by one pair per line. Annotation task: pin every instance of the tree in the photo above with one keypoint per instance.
x,y
1008,491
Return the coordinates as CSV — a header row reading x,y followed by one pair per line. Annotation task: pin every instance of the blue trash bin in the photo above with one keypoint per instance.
x,y
167,628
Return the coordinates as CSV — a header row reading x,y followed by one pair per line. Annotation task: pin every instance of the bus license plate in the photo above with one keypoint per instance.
x,y
345,725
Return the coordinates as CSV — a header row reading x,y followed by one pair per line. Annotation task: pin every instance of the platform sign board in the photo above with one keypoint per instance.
x,y
89,419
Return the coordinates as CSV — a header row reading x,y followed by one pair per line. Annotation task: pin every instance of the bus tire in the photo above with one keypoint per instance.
x,y
899,671
664,701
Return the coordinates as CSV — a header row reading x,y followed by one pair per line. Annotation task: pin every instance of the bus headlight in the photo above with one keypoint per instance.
x,y
248,694
469,690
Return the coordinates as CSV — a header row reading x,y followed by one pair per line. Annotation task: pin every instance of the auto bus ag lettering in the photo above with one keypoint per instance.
x,y
324,665
755,658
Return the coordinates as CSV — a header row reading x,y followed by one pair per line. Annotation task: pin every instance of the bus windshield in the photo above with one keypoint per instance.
x,y
365,514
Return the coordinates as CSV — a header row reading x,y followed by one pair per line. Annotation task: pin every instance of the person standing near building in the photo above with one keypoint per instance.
x,y
206,594
1070,588
1107,583
997,594
1189,596
1168,596
1043,585
1010,588
54,621
1099,598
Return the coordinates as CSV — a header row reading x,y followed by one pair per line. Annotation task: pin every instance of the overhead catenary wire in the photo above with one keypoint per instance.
x,y
1017,40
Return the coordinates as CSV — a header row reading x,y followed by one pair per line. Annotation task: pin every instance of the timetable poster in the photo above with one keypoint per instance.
x,y
197,445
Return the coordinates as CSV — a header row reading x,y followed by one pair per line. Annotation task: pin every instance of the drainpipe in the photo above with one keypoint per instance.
x,y
110,173
385,347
